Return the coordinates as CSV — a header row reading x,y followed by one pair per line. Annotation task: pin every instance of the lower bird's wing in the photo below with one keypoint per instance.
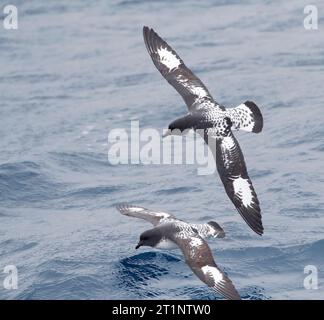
x,y
218,280
200,259
233,173
142,213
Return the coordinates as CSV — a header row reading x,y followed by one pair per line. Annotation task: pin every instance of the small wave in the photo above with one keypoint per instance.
x,y
133,79
24,182
313,250
177,190
97,191
81,161
11,246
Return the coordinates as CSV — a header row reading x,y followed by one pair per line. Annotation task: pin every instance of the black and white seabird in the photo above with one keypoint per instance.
x,y
170,232
216,124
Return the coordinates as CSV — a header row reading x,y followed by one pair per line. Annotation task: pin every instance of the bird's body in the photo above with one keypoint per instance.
x,y
214,123
170,232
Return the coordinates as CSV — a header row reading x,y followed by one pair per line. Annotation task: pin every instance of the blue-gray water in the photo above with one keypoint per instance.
x,y
75,70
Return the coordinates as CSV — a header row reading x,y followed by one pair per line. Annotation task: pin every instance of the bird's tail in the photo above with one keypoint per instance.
x,y
247,116
218,231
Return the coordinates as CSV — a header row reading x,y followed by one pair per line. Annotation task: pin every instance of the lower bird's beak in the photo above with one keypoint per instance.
x,y
139,245
168,133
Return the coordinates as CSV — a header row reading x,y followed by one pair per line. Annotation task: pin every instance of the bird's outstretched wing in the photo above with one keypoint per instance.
x,y
173,69
142,213
200,259
233,173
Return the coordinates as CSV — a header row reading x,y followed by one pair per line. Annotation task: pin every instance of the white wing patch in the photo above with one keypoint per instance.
x,y
162,215
212,272
242,190
168,59
228,142
198,91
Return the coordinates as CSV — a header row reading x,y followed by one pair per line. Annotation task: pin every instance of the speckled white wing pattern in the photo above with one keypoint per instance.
x,y
173,69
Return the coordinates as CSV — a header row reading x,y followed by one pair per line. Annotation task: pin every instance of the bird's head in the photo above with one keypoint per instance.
x,y
149,238
178,127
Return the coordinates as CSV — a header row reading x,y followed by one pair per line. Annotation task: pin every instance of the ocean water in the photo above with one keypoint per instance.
x,y
73,71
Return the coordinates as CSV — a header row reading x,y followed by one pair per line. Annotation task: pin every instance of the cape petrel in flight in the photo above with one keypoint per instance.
x,y
216,124
170,232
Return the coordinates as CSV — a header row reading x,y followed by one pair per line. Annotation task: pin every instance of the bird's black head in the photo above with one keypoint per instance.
x,y
173,126
180,126
176,128
149,238
187,122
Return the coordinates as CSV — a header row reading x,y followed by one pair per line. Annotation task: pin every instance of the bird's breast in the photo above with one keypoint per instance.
x,y
166,244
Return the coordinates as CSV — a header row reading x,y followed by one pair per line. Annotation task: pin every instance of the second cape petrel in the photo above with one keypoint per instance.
x,y
170,232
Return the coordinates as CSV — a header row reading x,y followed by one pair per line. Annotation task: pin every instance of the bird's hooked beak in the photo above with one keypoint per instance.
x,y
168,133
140,243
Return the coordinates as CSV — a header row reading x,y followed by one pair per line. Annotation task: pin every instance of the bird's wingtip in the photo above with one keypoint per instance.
x,y
119,206
122,207
258,230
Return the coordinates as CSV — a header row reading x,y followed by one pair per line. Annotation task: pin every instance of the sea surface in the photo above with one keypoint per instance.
x,y
73,71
